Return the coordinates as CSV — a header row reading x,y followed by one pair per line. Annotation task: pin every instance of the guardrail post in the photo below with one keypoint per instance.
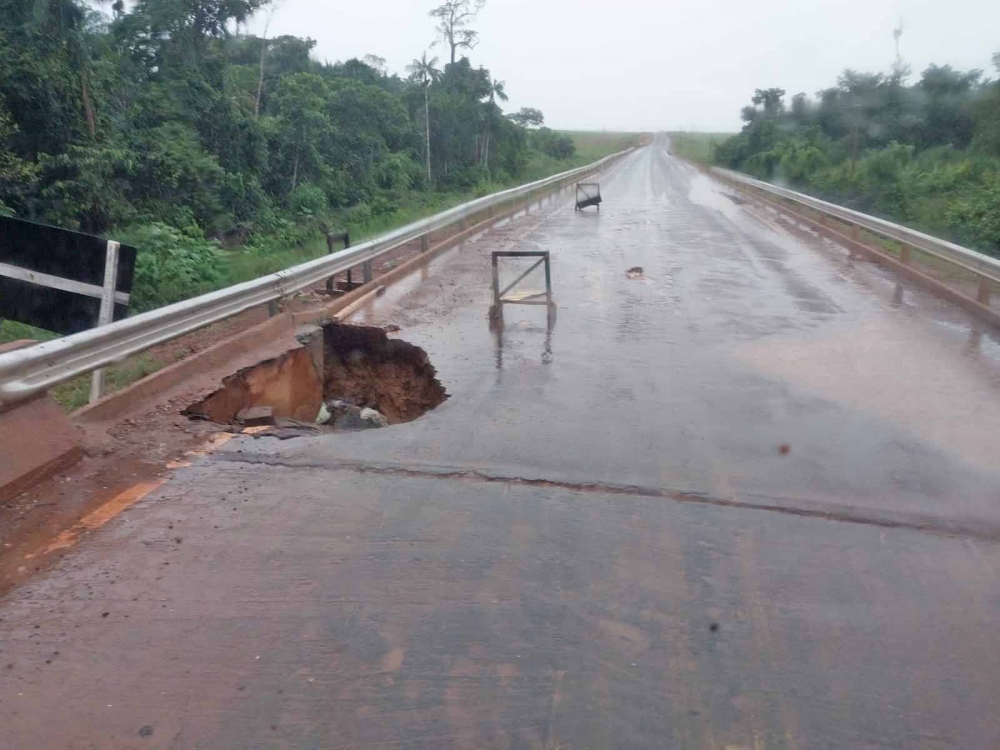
x,y
329,251
107,311
461,225
983,295
904,254
366,269
273,308
425,243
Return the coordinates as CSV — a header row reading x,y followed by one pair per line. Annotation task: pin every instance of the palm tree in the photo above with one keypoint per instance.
x,y
495,91
425,71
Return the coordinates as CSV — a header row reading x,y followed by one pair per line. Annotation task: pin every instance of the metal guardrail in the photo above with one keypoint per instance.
x,y
27,371
983,266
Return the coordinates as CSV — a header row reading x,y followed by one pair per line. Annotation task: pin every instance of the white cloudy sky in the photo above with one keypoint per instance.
x,y
658,64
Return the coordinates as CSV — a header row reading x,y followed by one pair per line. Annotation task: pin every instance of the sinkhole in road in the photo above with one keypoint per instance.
x,y
359,365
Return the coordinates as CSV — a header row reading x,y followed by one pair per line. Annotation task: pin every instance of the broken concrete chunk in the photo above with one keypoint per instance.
x,y
347,416
286,429
376,418
256,415
305,333
324,415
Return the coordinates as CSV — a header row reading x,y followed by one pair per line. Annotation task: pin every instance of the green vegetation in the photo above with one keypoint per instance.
x,y
74,394
223,156
699,147
926,155
11,330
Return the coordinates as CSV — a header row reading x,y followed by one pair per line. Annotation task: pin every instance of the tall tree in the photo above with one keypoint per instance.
x,y
376,63
67,20
527,117
263,56
495,91
300,101
946,110
986,113
195,20
425,72
453,19
862,94
771,99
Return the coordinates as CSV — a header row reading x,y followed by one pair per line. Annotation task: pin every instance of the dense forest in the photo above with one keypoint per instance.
x,y
925,153
162,125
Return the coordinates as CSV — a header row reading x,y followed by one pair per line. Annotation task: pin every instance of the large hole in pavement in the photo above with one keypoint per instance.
x,y
358,365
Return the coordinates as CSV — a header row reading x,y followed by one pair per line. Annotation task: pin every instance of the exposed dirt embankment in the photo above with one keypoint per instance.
x,y
365,367
289,384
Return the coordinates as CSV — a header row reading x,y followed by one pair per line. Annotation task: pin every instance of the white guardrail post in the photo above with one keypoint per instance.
x,y
107,311
28,371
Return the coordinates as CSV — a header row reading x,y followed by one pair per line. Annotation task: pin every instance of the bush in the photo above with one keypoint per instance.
x,y
243,197
308,200
801,160
171,162
399,172
171,264
975,218
552,143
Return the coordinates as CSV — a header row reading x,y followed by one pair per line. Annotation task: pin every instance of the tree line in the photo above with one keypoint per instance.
x,y
162,123
925,153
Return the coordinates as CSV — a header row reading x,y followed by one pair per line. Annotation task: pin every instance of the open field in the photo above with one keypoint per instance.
x,y
697,147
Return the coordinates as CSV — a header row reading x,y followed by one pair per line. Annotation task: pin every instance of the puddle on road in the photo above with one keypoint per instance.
x,y
359,365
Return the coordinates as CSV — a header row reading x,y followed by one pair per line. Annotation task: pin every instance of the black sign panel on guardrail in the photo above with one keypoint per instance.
x,y
53,278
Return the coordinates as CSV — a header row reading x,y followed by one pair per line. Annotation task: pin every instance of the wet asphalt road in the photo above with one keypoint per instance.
x,y
596,542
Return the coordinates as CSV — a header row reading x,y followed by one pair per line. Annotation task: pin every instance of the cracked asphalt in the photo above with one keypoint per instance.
x,y
748,500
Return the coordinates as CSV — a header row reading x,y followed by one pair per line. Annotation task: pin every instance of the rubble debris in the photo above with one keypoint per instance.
x,y
256,416
348,416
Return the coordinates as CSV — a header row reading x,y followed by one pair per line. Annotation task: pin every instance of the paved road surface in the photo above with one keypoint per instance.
x,y
596,542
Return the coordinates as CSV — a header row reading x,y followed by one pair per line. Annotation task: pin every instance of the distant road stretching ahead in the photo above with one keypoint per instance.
x,y
746,500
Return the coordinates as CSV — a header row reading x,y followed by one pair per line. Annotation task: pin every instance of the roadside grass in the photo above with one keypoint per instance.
x,y
75,393
698,147
11,330
592,145
240,266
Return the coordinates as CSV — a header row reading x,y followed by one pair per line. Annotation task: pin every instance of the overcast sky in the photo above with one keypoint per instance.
x,y
658,64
